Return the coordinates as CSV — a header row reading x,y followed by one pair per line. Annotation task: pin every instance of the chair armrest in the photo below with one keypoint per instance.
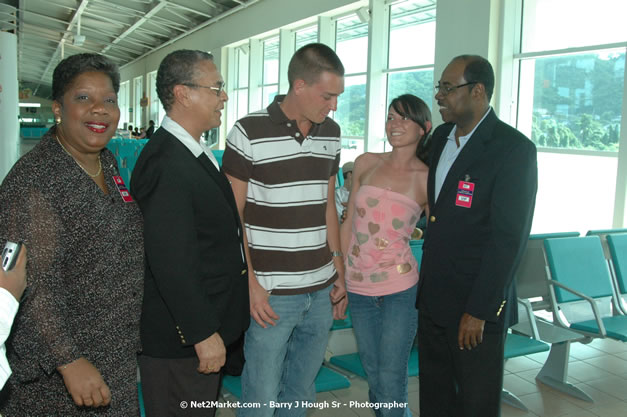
x,y
595,309
532,317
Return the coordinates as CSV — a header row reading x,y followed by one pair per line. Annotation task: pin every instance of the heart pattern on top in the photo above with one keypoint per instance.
x,y
379,276
397,223
362,237
373,228
371,202
361,211
356,276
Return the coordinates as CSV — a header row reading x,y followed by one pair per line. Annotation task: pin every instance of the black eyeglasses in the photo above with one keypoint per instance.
x,y
445,90
218,90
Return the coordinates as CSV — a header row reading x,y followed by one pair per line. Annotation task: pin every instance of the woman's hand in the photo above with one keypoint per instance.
x,y
85,384
14,281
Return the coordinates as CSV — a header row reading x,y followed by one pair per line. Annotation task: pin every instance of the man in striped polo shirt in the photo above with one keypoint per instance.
x,y
282,163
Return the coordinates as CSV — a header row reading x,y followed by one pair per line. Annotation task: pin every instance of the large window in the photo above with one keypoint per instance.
x,y
123,104
570,94
138,93
240,83
410,62
573,101
571,80
156,109
270,85
305,36
352,48
403,65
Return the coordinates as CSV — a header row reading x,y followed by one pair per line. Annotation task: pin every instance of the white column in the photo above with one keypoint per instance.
x,y
286,51
620,199
9,111
326,31
465,27
376,87
255,66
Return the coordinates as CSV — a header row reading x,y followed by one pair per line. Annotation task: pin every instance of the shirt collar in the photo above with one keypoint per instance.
x,y
275,112
278,116
464,139
194,146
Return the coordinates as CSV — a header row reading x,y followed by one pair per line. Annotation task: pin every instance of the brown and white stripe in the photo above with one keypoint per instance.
x,y
285,209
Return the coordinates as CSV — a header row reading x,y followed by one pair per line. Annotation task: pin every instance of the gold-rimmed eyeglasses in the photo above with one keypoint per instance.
x,y
219,89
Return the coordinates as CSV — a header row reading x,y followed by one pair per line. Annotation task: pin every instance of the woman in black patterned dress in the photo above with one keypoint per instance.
x,y
74,341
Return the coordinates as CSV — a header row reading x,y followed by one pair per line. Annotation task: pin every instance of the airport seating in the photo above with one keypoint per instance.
x,y
617,244
581,288
326,380
534,296
602,234
516,346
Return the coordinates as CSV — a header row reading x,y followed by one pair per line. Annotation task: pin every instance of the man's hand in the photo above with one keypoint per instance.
x,y
211,354
85,384
14,281
470,332
260,309
339,300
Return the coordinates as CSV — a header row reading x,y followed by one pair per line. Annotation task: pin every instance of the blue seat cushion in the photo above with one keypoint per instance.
x,y
352,363
347,323
326,380
616,327
517,345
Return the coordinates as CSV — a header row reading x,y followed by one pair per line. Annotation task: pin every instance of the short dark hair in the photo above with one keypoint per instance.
x,y
312,60
479,70
412,107
73,66
179,67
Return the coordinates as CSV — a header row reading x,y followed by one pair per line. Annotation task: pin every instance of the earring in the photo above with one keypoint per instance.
x,y
58,120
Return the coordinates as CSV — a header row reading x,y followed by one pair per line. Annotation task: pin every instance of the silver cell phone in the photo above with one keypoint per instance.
x,y
9,255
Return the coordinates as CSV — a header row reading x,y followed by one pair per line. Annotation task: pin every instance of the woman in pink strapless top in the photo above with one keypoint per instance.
x,y
388,195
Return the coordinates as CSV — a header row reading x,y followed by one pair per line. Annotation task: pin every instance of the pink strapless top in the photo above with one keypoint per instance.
x,y
379,259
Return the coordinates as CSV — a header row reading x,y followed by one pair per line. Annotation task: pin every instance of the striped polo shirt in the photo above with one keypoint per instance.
x,y
285,213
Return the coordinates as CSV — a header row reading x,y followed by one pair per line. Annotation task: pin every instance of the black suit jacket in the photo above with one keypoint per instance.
x,y
470,254
195,279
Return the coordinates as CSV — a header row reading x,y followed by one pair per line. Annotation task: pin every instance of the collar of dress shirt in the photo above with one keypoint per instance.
x,y
464,139
194,146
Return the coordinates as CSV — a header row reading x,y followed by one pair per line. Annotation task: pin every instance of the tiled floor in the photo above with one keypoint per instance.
x,y
598,368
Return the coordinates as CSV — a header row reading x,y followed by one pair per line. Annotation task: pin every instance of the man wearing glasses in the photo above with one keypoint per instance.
x,y
482,187
196,286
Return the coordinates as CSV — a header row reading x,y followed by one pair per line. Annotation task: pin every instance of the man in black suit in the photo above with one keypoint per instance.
x,y
196,291
482,187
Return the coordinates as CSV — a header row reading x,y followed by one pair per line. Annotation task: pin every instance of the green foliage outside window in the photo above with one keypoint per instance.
x,y
351,112
577,101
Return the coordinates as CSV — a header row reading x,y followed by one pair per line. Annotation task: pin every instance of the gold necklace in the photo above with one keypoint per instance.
x,y
82,167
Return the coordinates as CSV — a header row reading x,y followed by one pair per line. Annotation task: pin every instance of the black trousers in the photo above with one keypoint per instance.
x,y
174,388
454,382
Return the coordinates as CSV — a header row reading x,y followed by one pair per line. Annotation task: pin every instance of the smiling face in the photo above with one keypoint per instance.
x,y
402,131
206,104
320,98
456,106
88,111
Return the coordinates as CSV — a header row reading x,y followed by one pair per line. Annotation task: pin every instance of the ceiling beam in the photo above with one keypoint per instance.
x,y
189,9
158,7
66,36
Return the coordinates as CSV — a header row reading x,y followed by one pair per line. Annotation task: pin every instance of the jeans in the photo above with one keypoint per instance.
x,y
385,328
282,361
